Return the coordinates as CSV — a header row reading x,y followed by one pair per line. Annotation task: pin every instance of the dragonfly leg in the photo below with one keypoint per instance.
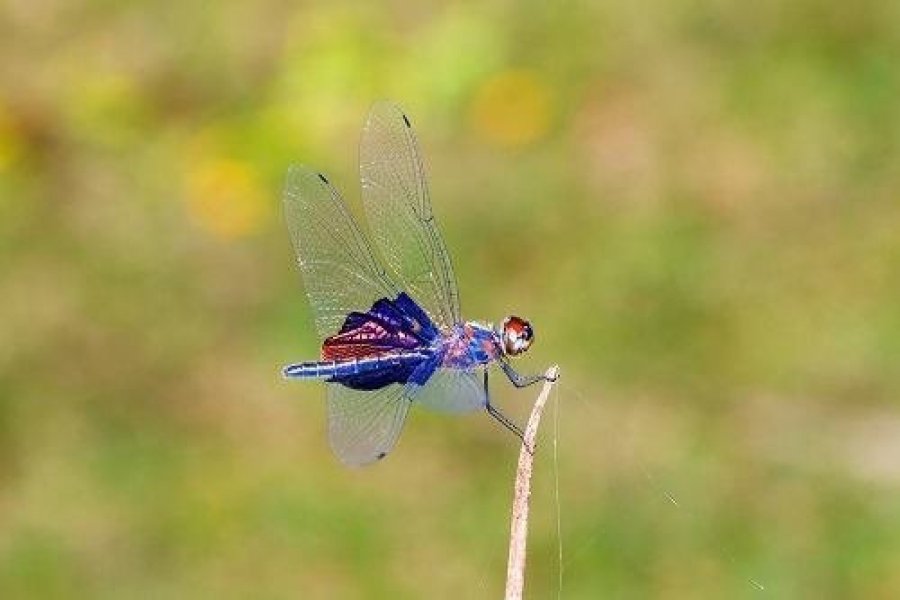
x,y
499,416
520,380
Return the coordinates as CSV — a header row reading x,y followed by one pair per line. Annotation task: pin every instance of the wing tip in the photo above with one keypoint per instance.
x,y
298,176
386,105
300,171
358,462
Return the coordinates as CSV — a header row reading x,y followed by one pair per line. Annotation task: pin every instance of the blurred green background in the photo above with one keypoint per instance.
x,y
696,204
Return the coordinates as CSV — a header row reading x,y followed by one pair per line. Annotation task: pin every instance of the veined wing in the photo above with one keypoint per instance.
x,y
395,196
452,391
363,426
446,390
340,272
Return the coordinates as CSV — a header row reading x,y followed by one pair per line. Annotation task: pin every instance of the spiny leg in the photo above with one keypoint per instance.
x,y
500,417
520,380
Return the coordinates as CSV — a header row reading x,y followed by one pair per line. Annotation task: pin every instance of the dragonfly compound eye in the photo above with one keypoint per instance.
x,y
517,335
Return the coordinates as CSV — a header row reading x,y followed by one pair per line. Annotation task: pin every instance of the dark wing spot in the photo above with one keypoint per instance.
x,y
381,455
322,177
405,120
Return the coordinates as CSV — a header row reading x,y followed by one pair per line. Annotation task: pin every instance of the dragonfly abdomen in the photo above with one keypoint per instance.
x,y
357,370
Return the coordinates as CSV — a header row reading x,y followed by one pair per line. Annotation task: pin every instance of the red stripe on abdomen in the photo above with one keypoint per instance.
x,y
334,350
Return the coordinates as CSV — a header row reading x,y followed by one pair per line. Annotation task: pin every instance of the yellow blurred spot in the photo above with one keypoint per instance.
x,y
512,108
225,197
9,145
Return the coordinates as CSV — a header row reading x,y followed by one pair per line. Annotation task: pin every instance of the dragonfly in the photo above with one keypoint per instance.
x,y
389,323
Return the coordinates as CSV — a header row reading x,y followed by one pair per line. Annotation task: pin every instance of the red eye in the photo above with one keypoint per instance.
x,y
517,325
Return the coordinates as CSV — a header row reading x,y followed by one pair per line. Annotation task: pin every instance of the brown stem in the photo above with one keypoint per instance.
x,y
518,536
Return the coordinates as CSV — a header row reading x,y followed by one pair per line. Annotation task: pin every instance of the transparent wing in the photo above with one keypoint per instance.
x,y
395,196
340,272
363,426
451,391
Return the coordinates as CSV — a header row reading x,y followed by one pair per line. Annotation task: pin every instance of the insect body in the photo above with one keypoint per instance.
x,y
391,330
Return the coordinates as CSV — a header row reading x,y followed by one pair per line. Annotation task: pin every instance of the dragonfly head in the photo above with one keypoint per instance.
x,y
516,334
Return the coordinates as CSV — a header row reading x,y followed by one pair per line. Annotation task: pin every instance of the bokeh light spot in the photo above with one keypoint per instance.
x,y
225,197
512,108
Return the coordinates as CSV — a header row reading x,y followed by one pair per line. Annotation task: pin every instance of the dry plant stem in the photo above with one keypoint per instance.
x,y
518,536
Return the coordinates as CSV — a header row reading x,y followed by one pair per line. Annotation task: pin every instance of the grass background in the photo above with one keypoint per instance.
x,y
694,202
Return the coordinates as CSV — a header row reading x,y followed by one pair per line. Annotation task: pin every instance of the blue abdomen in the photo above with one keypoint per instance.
x,y
361,374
